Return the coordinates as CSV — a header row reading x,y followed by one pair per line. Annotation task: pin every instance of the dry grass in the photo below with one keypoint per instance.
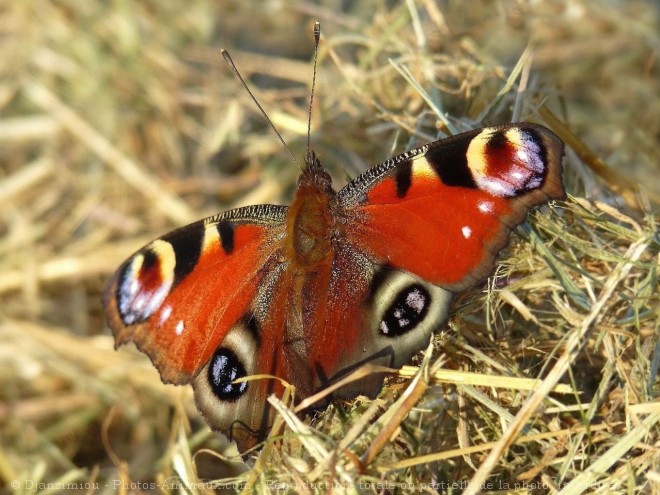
x,y
119,122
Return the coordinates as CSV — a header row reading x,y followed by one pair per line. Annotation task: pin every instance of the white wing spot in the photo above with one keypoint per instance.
x,y
156,299
165,314
486,206
496,186
467,232
139,302
179,328
416,301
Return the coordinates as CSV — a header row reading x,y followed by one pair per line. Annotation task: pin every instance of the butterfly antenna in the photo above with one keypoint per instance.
x,y
232,66
317,36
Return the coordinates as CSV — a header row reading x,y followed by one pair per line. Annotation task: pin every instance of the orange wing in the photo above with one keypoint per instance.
x,y
178,296
370,313
444,211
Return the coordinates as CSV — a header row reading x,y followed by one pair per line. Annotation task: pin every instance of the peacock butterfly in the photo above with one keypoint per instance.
x,y
310,291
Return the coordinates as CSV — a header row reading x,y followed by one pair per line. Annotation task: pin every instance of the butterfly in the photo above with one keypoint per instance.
x,y
311,291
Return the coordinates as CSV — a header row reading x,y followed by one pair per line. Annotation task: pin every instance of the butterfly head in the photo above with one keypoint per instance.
x,y
315,173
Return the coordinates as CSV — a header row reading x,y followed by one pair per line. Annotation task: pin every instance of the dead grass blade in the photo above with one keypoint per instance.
x,y
574,342
143,183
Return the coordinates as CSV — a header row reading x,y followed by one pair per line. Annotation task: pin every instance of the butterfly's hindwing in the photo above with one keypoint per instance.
x,y
372,314
237,409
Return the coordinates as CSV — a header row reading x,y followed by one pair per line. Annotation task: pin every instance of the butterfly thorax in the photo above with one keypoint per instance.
x,y
310,220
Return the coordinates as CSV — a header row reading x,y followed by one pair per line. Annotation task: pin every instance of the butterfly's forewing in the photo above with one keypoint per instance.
x,y
178,296
444,211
